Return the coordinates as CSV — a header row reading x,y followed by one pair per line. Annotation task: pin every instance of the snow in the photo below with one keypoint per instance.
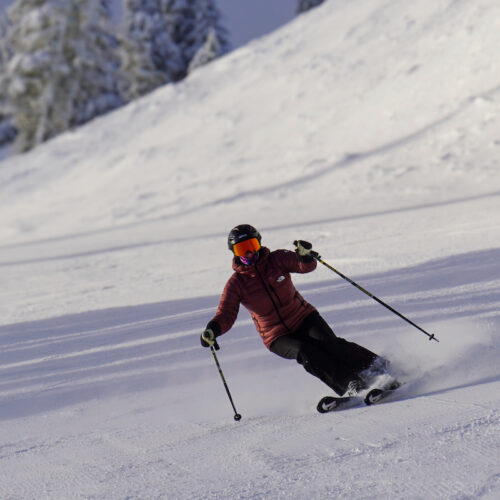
x,y
370,128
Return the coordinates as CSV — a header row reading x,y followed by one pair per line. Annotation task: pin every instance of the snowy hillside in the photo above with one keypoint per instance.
x,y
372,129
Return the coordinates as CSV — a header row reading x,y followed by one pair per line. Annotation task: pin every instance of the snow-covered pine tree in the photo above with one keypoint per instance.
x,y
7,129
5,51
305,5
190,23
149,56
210,37
63,71
37,74
207,52
95,62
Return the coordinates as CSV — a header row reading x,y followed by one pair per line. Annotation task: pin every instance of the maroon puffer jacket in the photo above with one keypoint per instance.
x,y
267,291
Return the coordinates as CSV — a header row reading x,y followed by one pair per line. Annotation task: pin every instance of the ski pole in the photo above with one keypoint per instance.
x,y
381,302
237,416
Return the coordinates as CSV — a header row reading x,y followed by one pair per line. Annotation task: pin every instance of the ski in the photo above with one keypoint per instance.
x,y
373,396
377,395
332,403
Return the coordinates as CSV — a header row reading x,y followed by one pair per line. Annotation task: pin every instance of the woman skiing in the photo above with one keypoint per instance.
x,y
288,325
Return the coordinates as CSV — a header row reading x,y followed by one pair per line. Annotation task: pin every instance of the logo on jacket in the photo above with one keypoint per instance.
x,y
280,279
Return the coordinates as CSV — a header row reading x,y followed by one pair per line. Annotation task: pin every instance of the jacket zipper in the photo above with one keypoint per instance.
x,y
271,298
275,293
301,300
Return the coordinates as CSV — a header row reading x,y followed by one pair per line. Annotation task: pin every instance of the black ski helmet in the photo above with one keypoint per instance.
x,y
241,233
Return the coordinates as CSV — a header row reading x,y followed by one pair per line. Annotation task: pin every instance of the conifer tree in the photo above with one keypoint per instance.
x,y
63,71
305,5
207,52
7,130
5,51
35,68
150,57
95,59
190,23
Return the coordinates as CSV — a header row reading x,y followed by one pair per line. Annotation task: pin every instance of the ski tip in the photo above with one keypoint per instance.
x,y
326,404
331,403
376,395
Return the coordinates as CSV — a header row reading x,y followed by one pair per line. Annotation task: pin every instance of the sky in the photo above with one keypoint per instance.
x,y
247,20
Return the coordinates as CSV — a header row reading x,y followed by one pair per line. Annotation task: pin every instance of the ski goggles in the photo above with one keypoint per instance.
x,y
252,245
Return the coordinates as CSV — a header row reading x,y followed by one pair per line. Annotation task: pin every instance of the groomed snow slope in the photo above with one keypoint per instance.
x,y
372,129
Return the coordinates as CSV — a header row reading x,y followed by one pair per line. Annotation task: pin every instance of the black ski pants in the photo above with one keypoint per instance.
x,y
332,359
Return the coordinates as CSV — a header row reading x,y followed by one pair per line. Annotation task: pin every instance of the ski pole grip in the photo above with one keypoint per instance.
x,y
313,254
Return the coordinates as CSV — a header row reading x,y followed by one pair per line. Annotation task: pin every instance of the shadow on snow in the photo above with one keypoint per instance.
x,y
58,362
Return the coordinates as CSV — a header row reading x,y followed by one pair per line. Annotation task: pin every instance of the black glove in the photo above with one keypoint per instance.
x,y
304,250
207,339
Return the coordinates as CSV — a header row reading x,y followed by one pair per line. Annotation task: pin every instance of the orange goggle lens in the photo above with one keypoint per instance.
x,y
241,248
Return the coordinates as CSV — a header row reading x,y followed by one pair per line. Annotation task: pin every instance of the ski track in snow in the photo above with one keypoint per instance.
x,y
127,402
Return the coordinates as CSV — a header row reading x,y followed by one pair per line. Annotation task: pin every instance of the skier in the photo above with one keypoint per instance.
x,y
288,325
